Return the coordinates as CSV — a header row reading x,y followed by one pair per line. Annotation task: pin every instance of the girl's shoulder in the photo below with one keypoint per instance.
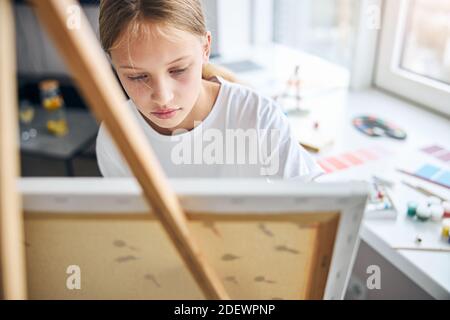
x,y
245,102
244,97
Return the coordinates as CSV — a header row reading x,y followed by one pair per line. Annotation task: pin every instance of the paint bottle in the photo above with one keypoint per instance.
x,y
53,102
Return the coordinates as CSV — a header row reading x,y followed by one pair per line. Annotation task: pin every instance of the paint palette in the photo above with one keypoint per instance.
x,y
376,127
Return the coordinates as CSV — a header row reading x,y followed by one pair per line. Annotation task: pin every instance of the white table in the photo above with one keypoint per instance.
x,y
429,270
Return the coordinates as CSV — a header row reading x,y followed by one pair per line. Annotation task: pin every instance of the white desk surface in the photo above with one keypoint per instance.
x,y
326,83
430,270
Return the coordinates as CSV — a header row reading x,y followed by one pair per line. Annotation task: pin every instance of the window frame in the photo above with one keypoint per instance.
x,y
389,76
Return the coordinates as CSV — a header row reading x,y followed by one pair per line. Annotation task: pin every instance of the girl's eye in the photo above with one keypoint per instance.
x,y
138,78
178,71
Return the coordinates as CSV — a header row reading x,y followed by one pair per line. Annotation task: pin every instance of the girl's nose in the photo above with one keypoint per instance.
x,y
161,94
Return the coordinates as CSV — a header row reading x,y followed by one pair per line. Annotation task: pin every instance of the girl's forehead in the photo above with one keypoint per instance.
x,y
154,42
146,32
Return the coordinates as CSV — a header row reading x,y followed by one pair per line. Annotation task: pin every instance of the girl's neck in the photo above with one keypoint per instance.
x,y
203,106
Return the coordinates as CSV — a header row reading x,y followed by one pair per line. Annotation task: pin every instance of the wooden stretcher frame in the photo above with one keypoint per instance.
x,y
334,211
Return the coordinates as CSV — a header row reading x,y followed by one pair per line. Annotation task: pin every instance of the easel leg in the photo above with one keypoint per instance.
x,y
12,240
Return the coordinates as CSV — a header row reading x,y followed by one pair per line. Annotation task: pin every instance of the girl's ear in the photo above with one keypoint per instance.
x,y
206,47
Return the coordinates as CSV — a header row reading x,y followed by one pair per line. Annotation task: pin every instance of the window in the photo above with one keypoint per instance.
x,y
325,28
426,44
414,53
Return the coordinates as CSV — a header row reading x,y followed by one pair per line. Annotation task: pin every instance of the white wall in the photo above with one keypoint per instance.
x,y
35,52
233,26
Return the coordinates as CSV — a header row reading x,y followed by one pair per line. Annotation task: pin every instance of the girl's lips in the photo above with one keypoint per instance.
x,y
165,113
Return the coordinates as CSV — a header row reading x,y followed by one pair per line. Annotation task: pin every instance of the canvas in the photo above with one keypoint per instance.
x,y
277,240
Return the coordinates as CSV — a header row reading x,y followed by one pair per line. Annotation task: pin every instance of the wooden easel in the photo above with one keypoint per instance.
x,y
90,68
12,259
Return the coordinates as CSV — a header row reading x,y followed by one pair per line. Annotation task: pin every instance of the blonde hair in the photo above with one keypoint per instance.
x,y
119,16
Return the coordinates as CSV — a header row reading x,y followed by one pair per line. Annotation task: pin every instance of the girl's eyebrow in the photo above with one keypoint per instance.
x,y
179,59
134,67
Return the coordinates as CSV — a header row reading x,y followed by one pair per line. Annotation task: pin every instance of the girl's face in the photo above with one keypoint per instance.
x,y
162,73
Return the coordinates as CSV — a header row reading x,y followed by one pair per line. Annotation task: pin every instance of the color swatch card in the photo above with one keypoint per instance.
x,y
429,165
438,152
432,173
350,159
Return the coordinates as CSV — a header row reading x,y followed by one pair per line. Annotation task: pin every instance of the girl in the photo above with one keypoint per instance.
x,y
198,123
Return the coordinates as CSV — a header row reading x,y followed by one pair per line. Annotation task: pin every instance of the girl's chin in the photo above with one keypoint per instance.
x,y
166,123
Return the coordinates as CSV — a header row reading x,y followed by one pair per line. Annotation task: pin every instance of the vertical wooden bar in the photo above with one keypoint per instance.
x,y
12,248
319,266
90,68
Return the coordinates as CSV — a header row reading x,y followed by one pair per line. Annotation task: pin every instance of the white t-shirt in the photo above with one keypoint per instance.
x,y
244,136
